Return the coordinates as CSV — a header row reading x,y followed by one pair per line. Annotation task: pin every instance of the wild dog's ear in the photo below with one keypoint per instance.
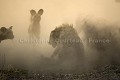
x,y
40,11
3,29
32,12
10,27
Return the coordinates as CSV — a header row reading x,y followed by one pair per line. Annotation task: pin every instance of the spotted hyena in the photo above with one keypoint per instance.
x,y
34,28
6,33
69,50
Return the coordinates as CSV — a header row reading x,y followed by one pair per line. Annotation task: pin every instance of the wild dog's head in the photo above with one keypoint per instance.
x,y
36,17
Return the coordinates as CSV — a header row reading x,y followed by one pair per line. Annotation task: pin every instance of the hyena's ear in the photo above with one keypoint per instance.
x,y
32,12
40,11
3,29
10,27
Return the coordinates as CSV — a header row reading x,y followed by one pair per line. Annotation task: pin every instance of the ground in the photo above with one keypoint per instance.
x,y
108,72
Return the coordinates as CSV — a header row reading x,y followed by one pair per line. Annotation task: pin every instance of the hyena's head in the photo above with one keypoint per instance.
x,y
6,33
36,17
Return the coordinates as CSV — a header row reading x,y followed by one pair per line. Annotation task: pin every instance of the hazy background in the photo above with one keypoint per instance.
x,y
56,12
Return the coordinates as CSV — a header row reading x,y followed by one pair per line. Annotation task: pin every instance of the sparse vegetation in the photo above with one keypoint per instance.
x,y
108,72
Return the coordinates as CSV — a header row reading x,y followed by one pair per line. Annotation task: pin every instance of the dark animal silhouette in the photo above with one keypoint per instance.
x,y
6,33
69,50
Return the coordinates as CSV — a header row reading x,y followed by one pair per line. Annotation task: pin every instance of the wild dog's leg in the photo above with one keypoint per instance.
x,y
37,33
31,36
37,36
30,32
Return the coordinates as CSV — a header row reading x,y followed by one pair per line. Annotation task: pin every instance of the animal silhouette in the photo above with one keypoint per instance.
x,y
6,33
69,49
34,28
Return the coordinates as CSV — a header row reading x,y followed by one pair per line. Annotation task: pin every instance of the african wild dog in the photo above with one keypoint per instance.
x,y
34,28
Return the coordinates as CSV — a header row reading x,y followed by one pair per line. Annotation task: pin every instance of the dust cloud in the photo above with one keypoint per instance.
x,y
20,51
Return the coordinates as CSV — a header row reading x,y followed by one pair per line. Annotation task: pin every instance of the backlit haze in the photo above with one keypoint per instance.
x,y
56,12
